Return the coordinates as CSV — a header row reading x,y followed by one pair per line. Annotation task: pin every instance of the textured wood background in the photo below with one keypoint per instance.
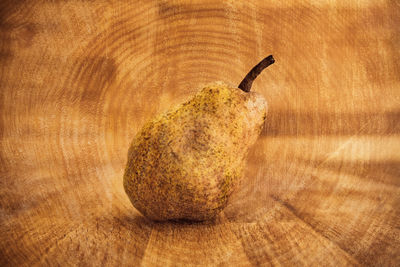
x,y
79,78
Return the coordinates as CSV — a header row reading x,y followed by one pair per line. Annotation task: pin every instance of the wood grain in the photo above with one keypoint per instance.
x,y
79,79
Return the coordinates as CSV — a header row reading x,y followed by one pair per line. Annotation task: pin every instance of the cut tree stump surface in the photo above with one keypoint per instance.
x,y
78,79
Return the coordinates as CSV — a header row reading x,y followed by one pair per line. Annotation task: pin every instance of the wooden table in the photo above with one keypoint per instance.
x,y
79,79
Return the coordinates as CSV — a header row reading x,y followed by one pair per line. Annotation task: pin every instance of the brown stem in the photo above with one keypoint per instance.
x,y
245,85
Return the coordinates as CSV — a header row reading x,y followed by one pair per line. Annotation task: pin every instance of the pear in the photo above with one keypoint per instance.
x,y
185,163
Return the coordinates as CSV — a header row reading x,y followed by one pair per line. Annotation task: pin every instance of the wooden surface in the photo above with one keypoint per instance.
x,y
79,78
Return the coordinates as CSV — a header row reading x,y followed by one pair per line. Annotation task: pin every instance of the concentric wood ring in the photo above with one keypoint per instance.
x,y
79,78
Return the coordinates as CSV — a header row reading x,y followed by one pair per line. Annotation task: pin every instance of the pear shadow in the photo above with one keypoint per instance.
x,y
138,220
385,172
292,123
252,201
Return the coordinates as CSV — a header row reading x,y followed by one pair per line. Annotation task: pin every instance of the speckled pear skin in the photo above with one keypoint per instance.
x,y
185,163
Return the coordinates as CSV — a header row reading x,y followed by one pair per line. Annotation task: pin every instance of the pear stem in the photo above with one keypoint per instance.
x,y
245,85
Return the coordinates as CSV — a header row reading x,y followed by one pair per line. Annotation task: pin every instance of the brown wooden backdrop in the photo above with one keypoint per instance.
x,y
79,78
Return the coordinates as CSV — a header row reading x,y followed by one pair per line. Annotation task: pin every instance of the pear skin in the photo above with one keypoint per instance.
x,y
185,163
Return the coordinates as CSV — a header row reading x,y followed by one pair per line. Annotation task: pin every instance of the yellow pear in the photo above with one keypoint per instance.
x,y
185,164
